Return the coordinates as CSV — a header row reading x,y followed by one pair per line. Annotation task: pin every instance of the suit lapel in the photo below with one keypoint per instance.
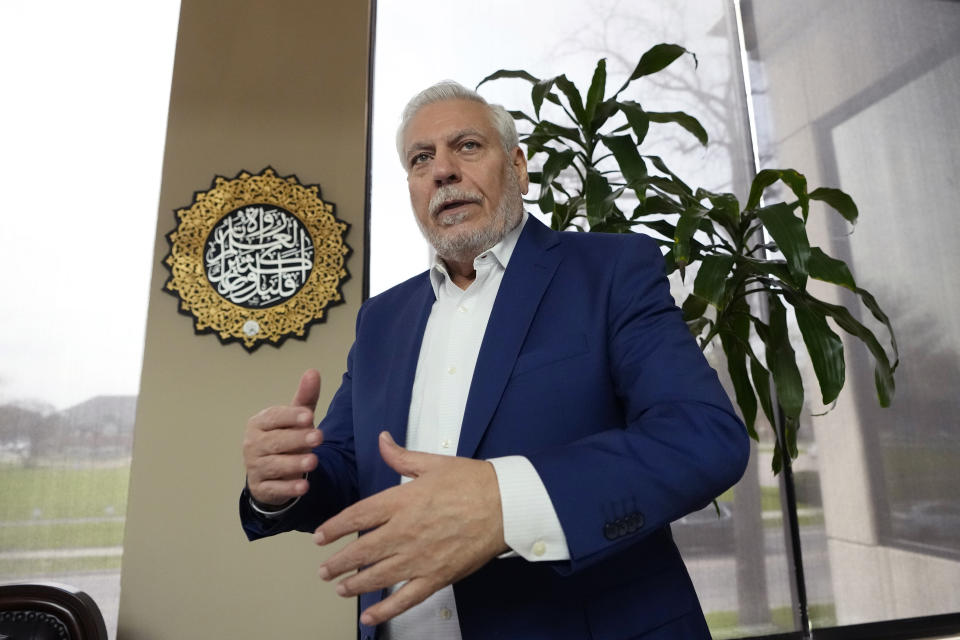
x,y
410,322
529,272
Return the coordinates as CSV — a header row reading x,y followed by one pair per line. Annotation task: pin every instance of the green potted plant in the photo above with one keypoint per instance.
x,y
748,257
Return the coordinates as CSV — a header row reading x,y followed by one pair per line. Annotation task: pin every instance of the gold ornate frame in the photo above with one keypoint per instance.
x,y
273,322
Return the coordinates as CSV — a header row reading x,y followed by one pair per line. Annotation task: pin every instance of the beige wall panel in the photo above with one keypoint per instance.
x,y
280,83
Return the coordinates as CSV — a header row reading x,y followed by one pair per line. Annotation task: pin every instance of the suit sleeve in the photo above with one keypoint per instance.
x,y
333,484
681,443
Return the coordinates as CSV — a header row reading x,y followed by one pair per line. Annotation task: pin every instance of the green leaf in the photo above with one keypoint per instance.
x,y
693,307
823,267
761,382
669,264
760,182
637,119
597,189
546,201
790,428
686,226
782,361
839,200
656,205
883,372
726,208
697,325
539,92
798,184
776,269
686,121
520,115
657,58
788,231
603,113
733,341
557,131
595,93
777,462
506,73
712,278
824,346
563,215
662,227
576,101
536,142
662,166
632,166
556,162
871,303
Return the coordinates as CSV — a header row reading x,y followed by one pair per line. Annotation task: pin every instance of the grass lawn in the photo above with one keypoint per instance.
x,y
61,536
726,624
33,569
34,502
42,493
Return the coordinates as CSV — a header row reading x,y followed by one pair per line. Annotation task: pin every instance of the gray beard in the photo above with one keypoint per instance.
x,y
465,245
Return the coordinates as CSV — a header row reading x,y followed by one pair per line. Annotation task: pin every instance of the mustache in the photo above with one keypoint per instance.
x,y
449,193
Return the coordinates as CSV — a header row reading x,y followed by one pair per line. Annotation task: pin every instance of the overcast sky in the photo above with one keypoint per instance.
x,y
85,93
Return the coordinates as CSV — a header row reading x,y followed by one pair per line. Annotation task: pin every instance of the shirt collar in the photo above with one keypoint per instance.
x,y
500,251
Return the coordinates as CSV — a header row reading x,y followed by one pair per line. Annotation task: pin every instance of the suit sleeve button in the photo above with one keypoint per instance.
x,y
610,531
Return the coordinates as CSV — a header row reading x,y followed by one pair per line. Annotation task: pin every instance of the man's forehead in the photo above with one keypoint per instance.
x,y
446,119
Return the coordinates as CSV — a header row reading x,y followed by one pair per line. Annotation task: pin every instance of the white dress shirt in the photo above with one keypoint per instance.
x,y
448,355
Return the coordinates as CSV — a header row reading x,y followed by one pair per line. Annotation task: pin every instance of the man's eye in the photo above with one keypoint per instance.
x,y
470,145
419,158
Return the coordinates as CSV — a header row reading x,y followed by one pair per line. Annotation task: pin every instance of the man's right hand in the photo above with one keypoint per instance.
x,y
277,446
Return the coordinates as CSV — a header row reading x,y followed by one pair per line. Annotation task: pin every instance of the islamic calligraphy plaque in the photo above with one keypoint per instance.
x,y
257,258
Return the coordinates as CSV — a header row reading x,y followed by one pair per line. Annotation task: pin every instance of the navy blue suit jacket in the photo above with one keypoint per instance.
x,y
588,370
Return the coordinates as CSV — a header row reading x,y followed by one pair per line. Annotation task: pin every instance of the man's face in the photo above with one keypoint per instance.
x,y
466,192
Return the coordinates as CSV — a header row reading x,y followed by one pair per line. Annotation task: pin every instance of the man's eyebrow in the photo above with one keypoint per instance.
x,y
453,138
418,146
465,133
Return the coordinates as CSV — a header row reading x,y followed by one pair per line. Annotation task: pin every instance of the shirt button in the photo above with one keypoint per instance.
x,y
539,548
445,614
452,370
445,444
462,309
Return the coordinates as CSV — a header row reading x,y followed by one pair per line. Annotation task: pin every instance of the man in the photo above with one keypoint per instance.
x,y
556,368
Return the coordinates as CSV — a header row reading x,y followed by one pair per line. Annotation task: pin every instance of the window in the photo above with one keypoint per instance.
x,y
84,119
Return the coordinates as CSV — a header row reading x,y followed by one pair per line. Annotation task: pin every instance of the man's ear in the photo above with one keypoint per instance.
x,y
519,166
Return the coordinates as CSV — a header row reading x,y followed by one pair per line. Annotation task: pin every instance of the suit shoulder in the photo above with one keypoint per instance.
x,y
400,300
610,247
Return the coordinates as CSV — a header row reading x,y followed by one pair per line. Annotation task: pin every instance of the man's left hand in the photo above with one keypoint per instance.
x,y
432,531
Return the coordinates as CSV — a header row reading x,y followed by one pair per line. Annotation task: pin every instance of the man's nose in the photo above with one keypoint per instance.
x,y
445,170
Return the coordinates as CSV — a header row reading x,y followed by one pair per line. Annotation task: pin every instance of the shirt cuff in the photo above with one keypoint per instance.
x,y
267,512
270,511
530,524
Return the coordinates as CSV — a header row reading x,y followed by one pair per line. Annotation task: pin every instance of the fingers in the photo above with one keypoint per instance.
x,y
308,391
414,592
407,463
366,551
361,516
283,441
382,574
282,418
277,452
278,492
285,467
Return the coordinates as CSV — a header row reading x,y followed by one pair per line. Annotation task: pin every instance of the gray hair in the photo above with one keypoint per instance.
x,y
500,118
